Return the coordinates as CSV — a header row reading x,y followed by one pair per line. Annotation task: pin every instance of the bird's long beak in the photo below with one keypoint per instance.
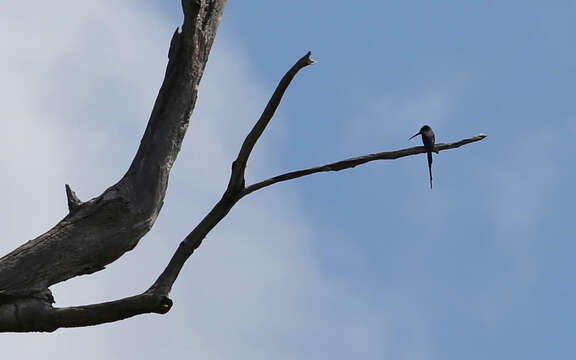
x,y
418,133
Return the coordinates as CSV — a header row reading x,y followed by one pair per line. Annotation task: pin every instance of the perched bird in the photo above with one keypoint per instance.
x,y
428,141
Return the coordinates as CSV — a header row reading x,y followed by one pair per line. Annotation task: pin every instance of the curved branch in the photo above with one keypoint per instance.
x,y
352,162
99,231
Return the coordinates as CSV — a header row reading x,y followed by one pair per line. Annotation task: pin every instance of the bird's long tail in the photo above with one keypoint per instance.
x,y
430,167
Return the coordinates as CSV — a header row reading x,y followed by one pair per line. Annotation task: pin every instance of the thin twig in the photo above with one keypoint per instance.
x,y
355,161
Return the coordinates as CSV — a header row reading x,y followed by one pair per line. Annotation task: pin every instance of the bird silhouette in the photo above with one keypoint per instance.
x,y
428,141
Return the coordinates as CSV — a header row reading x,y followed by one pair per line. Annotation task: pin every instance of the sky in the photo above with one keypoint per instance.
x,y
367,262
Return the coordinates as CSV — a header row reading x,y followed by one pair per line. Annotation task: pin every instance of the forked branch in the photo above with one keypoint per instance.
x,y
239,165
98,231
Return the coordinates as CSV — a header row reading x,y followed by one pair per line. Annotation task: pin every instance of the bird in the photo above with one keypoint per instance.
x,y
428,141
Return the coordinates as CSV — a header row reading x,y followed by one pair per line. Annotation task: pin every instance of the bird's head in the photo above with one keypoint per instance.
x,y
423,129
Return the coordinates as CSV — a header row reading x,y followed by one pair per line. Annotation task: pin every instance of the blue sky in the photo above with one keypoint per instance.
x,y
369,262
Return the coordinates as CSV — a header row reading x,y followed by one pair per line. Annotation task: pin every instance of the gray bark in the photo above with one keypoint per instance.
x,y
99,231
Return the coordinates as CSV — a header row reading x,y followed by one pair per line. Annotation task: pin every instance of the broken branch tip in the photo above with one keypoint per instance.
x,y
309,61
73,200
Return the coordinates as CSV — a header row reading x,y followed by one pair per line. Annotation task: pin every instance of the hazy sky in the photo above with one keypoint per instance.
x,y
366,263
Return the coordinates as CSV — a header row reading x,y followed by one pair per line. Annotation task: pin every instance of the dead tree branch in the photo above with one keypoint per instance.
x,y
353,162
97,232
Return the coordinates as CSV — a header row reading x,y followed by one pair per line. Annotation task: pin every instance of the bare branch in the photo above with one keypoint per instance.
x,y
96,314
239,165
352,162
31,314
104,228
160,145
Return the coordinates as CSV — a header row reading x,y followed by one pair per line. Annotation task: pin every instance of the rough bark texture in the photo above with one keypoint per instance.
x,y
97,232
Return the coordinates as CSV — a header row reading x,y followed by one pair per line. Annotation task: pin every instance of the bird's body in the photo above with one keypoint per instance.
x,y
428,140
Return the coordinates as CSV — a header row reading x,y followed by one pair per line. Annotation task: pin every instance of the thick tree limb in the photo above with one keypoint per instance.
x,y
34,315
99,231
353,162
